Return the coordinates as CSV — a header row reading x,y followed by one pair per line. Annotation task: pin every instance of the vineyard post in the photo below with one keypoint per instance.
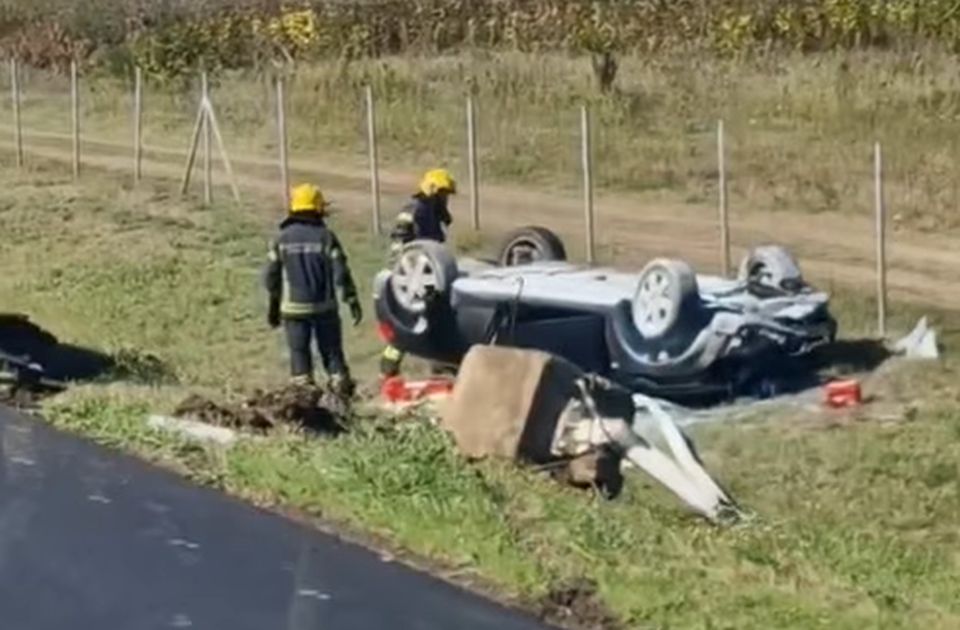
x,y
881,241
75,115
207,141
137,125
15,96
587,168
723,202
473,162
374,159
282,140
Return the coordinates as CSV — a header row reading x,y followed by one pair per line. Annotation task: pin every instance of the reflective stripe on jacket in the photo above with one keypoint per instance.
x,y
306,265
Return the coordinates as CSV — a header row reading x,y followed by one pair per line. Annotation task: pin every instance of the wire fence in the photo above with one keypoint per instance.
x,y
263,135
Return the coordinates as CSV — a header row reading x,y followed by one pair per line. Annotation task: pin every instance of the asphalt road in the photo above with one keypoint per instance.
x,y
93,539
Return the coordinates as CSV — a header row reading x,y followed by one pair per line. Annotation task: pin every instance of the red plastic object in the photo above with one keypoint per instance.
x,y
386,332
397,390
841,394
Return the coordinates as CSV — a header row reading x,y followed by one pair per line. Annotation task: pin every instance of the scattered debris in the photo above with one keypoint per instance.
x,y
576,603
311,408
193,429
533,407
921,343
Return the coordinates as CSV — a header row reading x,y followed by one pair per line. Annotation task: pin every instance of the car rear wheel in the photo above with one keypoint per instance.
x,y
772,267
423,269
531,244
665,291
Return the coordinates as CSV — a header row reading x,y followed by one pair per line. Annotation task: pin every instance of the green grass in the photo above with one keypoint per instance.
x,y
857,512
800,128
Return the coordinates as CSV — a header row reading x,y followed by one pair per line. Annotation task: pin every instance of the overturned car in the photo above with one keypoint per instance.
x,y
663,331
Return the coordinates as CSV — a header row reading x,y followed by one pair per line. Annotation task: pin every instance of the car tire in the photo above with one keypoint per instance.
x,y
422,268
665,294
771,268
531,244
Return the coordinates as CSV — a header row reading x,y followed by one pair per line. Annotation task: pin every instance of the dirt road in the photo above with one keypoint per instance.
x,y
834,248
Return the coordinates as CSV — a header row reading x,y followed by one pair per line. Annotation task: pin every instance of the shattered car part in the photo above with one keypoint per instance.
x,y
920,343
531,407
605,415
664,331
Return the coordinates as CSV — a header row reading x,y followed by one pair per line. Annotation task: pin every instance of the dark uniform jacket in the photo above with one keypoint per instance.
x,y
423,218
307,265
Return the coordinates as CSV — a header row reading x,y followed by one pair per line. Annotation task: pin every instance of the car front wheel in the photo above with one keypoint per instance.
x,y
664,294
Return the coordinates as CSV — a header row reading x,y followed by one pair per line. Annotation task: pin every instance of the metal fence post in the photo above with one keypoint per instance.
x,y
207,141
374,168
282,140
75,112
587,167
137,125
15,97
723,204
881,241
472,159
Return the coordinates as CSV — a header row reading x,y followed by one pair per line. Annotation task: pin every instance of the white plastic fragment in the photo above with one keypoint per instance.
x,y
682,474
193,430
921,343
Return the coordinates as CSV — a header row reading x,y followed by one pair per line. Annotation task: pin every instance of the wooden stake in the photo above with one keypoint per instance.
x,y
282,141
374,159
138,125
207,144
724,215
194,145
15,96
473,162
75,110
215,126
587,166
881,241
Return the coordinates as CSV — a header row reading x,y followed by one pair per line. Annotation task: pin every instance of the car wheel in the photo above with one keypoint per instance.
x,y
424,268
771,267
531,244
666,289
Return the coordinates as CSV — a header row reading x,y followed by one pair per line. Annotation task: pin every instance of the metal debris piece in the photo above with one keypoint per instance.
x,y
606,415
921,343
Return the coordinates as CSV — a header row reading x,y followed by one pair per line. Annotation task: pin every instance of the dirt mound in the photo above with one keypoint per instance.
x,y
303,407
576,604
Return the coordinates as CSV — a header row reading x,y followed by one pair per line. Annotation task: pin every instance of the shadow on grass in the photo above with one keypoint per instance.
x,y
27,347
849,356
840,359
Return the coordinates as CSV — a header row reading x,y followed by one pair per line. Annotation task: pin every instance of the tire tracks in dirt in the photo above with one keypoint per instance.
x,y
833,247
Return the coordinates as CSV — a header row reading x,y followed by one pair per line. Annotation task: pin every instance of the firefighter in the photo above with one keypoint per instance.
x,y
306,266
425,217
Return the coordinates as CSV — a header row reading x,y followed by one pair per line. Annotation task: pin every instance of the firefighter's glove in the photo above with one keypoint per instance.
x,y
273,314
356,311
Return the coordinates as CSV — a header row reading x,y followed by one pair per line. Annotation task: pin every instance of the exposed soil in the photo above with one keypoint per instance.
x,y
576,604
303,407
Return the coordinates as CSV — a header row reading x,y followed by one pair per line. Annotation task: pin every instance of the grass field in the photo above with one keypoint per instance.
x,y
856,512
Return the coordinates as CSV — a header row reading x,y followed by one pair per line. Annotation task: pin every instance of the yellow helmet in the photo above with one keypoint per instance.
x,y
307,198
438,180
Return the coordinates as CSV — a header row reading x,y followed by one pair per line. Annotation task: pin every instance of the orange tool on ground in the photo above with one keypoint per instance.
x,y
845,393
396,389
